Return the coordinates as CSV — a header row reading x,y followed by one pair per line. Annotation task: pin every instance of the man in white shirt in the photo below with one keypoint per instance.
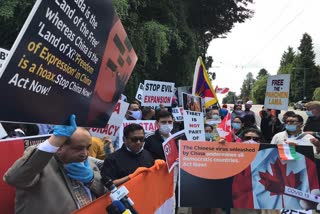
x,y
294,135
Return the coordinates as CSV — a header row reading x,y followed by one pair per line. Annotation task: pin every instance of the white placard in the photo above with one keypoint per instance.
x,y
3,55
156,93
140,92
277,93
148,126
194,125
177,113
3,132
114,123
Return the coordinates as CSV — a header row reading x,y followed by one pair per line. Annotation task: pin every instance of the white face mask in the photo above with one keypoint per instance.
x,y
136,114
165,128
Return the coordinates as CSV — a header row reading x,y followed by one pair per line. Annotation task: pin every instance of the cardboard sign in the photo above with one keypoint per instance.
x,y
149,126
170,148
3,55
71,57
114,123
243,175
192,102
277,94
156,93
177,113
194,125
140,92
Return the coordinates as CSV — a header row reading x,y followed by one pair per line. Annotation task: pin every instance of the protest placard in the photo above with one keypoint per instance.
x,y
71,57
156,93
194,125
277,93
243,175
139,93
177,113
3,55
183,89
170,148
192,102
114,123
149,126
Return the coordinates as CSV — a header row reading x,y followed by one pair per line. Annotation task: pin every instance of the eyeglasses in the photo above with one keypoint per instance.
x,y
135,139
251,138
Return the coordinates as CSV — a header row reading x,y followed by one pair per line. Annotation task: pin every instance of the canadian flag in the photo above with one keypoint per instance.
x,y
221,90
224,128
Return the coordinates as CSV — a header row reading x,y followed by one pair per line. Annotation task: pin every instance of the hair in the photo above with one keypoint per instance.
x,y
256,131
207,125
146,110
298,116
135,102
313,103
131,128
162,114
69,140
289,114
238,117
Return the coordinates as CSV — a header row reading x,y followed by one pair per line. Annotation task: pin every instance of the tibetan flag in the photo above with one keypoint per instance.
x,y
287,152
202,85
221,90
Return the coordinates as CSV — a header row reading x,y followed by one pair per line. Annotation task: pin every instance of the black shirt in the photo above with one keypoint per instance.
x,y
122,163
153,144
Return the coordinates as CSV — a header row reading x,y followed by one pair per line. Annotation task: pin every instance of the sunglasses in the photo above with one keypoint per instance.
x,y
251,138
135,139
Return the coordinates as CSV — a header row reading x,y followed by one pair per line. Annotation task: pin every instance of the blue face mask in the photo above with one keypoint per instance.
x,y
291,128
236,126
208,136
309,113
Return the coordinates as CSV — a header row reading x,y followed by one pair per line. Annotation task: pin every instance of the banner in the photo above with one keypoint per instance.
x,y
277,94
114,123
151,192
194,125
244,176
11,150
140,92
71,57
156,93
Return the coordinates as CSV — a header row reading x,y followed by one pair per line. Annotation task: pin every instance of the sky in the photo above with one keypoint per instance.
x,y
259,42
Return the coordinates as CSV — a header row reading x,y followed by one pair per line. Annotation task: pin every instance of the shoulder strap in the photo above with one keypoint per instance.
x,y
301,136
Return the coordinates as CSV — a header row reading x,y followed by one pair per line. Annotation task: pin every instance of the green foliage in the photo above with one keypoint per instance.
x,y
230,98
259,90
316,94
247,86
262,73
122,8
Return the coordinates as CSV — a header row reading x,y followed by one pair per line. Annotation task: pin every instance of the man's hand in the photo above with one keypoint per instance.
x,y
316,143
66,131
310,205
80,171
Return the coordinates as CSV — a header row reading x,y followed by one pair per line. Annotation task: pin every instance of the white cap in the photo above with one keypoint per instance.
x,y
249,102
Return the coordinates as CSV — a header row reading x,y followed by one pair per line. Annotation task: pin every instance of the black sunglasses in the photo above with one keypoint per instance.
x,y
251,138
135,139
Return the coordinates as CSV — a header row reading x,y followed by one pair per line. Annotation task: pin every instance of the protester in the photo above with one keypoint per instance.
x,y
284,118
248,116
119,165
270,125
294,134
237,111
134,112
56,176
237,127
96,149
252,136
148,113
208,129
312,125
223,111
164,120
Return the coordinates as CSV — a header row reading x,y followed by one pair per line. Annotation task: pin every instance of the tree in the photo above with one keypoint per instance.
x,y
316,94
262,73
259,90
286,61
247,86
230,98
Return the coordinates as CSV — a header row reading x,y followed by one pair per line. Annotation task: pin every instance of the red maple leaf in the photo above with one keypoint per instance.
x,y
276,183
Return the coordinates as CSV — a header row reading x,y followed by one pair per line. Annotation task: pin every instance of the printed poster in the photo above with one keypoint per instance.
x,y
243,175
277,94
71,57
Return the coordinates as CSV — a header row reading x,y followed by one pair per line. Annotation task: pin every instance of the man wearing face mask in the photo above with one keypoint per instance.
x,y
154,140
119,165
294,134
312,125
134,112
